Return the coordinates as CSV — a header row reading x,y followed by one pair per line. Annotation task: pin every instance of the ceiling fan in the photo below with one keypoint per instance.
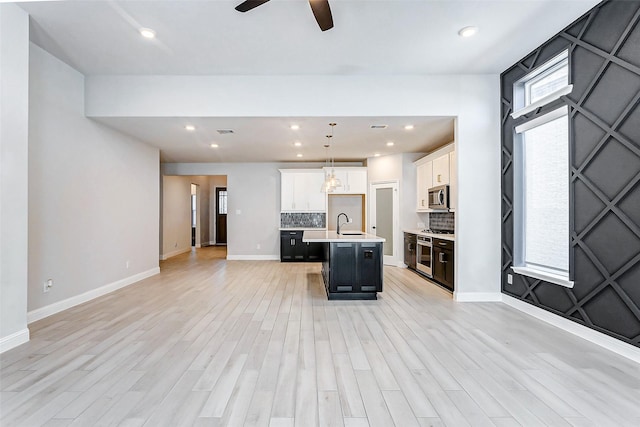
x,y
320,8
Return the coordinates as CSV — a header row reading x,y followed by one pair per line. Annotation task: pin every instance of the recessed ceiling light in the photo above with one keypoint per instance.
x,y
376,155
295,127
299,155
297,143
390,144
147,33
468,31
190,128
214,145
408,127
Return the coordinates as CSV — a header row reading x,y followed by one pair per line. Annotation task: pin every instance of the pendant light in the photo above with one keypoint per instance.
x,y
331,182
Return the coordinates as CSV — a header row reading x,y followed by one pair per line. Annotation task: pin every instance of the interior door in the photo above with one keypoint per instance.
x,y
383,218
221,215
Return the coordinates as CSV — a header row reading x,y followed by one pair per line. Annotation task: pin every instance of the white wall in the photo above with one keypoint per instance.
x,y
473,99
93,196
203,200
253,204
176,215
14,121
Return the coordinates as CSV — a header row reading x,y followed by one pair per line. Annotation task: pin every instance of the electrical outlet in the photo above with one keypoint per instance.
x,y
47,286
257,245
126,264
510,279
350,220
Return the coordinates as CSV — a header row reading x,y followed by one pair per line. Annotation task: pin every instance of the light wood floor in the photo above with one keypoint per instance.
x,y
211,342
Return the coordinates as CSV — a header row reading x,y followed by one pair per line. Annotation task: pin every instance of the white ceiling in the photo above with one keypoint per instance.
x,y
272,139
380,37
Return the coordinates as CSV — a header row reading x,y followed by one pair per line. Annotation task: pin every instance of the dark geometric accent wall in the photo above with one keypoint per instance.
x,y
604,134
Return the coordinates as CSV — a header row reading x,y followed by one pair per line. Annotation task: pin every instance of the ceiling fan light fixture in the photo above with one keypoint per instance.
x,y
295,127
468,31
147,33
190,128
408,127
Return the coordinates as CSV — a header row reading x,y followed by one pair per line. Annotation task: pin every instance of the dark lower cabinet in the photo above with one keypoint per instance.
x,y
315,251
353,270
443,262
293,249
410,243
291,246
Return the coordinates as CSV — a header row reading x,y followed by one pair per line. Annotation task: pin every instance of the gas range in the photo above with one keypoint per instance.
x,y
428,230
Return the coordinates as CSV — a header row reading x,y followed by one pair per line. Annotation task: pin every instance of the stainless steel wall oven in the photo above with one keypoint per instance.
x,y
424,256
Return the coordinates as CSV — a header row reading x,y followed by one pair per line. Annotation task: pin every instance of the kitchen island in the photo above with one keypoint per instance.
x,y
352,266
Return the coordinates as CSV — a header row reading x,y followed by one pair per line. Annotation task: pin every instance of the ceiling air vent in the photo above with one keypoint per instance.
x,y
379,126
224,131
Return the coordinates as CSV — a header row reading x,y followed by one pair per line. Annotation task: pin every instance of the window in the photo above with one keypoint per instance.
x,y
541,179
545,84
222,202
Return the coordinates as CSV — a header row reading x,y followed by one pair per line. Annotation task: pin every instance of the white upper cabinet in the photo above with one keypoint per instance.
x,y
434,170
440,170
424,172
300,190
353,179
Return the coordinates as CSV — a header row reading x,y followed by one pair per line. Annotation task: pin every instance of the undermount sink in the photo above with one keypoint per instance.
x,y
351,233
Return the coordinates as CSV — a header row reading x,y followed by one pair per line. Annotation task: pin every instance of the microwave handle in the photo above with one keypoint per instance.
x,y
441,197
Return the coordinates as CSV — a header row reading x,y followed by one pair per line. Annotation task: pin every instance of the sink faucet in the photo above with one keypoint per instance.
x,y
338,220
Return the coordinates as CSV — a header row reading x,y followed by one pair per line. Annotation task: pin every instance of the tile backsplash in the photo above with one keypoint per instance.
x,y
442,220
303,220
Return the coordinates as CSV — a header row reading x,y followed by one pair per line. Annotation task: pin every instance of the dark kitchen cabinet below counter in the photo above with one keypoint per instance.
x,y
352,270
293,249
443,262
410,243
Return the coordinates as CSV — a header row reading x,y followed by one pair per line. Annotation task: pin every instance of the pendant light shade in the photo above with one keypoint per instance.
x,y
331,181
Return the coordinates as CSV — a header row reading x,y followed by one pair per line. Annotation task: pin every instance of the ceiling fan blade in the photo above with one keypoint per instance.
x,y
322,13
247,5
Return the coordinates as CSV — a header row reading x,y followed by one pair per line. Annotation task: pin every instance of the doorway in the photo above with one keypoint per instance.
x,y
195,217
383,218
221,215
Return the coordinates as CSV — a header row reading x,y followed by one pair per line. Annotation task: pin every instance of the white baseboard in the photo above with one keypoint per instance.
x,y
477,296
619,347
168,255
59,306
14,340
253,257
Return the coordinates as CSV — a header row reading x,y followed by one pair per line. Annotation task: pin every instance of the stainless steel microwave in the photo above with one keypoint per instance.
x,y
439,197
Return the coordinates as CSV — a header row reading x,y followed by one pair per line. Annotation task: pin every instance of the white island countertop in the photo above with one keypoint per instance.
x,y
330,236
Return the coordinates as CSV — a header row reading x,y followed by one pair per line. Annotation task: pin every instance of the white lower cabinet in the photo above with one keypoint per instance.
x,y
301,190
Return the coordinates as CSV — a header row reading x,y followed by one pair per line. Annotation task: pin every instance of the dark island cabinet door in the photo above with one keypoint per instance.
x,y
369,267
343,271
315,251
